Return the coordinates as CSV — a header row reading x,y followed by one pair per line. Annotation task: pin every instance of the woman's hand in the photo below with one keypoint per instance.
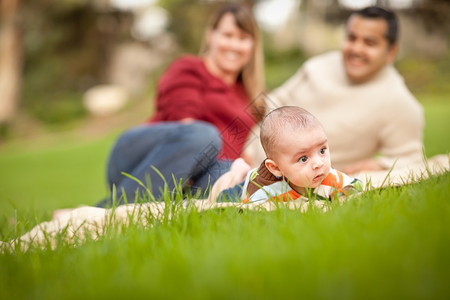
x,y
187,120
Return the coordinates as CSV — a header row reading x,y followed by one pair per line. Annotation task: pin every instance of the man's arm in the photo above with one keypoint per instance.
x,y
401,135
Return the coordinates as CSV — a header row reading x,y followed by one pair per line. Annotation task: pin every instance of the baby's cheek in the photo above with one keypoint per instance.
x,y
305,179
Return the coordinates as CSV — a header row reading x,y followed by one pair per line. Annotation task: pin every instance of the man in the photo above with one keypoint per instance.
x,y
371,118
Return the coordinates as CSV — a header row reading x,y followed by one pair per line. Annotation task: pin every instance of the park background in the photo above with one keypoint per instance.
x,y
54,54
59,60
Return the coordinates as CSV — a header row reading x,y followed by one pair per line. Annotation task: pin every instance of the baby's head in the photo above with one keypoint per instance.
x,y
296,147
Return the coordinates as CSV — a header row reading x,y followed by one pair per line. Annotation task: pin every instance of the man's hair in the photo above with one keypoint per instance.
x,y
376,12
282,119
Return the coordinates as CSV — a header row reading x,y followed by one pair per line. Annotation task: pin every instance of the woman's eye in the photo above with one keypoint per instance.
x,y
226,34
245,37
323,150
303,159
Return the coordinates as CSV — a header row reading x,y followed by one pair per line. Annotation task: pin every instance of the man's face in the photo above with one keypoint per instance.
x,y
366,50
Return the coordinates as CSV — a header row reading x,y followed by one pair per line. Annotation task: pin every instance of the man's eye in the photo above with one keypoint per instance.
x,y
351,38
303,159
371,43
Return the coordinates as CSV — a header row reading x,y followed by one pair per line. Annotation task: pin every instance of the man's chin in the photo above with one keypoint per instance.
x,y
356,77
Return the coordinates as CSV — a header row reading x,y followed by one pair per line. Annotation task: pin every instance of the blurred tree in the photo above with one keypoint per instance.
x,y
56,49
188,19
10,59
435,13
68,45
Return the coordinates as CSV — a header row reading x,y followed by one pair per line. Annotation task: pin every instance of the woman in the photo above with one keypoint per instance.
x,y
204,113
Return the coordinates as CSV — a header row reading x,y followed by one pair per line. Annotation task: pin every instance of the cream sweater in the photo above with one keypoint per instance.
x,y
377,118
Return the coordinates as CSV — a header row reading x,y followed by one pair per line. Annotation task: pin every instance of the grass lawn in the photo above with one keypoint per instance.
x,y
437,125
35,182
393,243
390,244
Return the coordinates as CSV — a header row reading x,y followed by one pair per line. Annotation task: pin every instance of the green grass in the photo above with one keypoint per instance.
x,y
437,125
390,244
66,175
393,243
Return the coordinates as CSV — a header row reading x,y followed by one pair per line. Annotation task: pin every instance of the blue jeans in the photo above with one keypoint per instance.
x,y
179,151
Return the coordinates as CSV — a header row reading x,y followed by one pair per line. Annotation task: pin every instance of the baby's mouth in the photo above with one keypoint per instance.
x,y
318,177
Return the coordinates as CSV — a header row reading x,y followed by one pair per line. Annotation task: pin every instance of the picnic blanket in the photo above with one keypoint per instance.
x,y
396,176
91,222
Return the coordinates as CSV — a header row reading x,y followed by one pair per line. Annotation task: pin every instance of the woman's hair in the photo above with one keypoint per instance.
x,y
252,75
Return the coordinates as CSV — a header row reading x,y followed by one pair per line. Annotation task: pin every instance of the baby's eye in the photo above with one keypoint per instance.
x,y
323,150
303,159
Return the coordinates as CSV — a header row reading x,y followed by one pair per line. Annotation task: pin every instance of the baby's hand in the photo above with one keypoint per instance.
x,y
239,168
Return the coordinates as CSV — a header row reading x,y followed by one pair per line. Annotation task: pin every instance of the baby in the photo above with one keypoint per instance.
x,y
298,161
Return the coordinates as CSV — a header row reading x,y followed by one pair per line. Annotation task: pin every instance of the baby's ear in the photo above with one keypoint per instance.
x,y
273,167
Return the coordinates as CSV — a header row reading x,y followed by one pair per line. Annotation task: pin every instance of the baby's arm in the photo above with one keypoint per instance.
x,y
355,188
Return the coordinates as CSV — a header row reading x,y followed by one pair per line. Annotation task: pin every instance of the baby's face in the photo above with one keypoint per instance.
x,y
303,157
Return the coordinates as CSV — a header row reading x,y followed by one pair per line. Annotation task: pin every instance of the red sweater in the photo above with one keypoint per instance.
x,y
188,90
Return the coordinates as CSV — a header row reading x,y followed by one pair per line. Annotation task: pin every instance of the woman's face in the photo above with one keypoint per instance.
x,y
230,48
